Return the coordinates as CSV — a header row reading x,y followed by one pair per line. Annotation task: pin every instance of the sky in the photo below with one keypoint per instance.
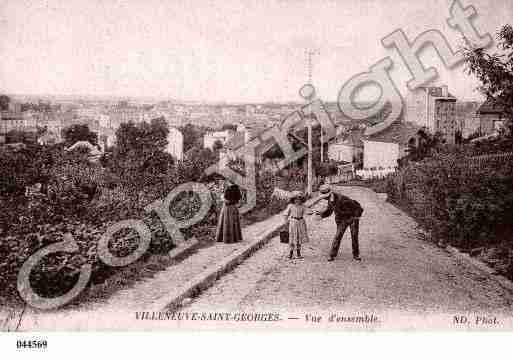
x,y
231,51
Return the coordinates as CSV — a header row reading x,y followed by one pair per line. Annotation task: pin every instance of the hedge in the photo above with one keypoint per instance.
x,y
465,205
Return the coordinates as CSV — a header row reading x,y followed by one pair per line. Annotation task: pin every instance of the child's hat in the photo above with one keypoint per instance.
x,y
296,194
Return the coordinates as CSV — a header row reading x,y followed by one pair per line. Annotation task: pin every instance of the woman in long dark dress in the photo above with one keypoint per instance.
x,y
228,226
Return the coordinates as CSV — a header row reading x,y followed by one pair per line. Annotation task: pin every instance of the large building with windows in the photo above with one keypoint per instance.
x,y
433,108
13,119
212,137
175,144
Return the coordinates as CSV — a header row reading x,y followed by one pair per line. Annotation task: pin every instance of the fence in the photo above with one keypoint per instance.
x,y
281,194
344,177
375,173
487,161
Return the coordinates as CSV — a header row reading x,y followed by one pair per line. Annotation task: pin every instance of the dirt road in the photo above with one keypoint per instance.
x,y
400,274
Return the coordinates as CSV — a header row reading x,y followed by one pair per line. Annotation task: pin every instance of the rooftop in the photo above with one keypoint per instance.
x,y
353,138
397,132
490,106
93,150
235,141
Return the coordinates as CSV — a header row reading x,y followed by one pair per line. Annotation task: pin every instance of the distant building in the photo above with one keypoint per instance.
x,y
434,109
104,121
247,132
121,114
52,125
241,127
180,110
175,143
491,118
196,115
212,137
228,111
49,138
467,118
250,110
15,107
106,137
12,120
384,149
87,112
346,148
380,154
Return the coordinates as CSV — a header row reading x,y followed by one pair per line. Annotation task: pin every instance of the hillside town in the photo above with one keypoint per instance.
x,y
433,109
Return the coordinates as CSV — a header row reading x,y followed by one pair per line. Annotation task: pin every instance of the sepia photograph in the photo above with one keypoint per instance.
x,y
276,165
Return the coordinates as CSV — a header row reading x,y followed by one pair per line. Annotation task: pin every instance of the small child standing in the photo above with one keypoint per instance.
x,y
294,215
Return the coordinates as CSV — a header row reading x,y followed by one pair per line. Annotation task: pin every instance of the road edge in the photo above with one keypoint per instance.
x,y
476,263
503,281
209,276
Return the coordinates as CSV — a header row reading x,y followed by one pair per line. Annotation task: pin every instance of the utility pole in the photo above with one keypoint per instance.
x,y
322,146
309,188
308,93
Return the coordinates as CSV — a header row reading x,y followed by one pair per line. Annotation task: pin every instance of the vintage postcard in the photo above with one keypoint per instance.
x,y
285,164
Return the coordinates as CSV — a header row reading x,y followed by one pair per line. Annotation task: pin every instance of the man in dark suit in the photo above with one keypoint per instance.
x,y
347,214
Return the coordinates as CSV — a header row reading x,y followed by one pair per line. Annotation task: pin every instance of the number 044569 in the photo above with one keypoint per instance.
x,y
31,344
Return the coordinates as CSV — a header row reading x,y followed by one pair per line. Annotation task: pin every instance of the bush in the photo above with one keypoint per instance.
x,y
464,205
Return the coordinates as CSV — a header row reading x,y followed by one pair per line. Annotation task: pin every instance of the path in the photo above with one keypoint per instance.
x,y
400,275
118,311
402,280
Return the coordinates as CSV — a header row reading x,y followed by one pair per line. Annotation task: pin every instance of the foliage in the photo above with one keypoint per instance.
x,y
139,158
22,167
193,136
18,136
195,162
78,132
41,106
495,72
425,145
218,145
84,198
325,169
4,102
467,205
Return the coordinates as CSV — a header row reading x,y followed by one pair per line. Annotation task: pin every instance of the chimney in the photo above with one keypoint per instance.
x,y
445,91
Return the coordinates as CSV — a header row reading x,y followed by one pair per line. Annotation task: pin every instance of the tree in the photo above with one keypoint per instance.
x,y
424,145
196,161
218,146
495,72
17,136
142,138
4,102
325,169
75,133
193,136
25,166
190,136
139,156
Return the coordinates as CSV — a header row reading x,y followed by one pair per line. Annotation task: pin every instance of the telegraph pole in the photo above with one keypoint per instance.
x,y
308,93
322,146
309,188
310,53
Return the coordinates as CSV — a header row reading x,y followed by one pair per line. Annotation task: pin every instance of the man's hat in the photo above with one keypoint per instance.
x,y
296,194
325,190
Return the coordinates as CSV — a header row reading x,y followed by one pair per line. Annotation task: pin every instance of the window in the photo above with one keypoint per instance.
x,y
498,125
